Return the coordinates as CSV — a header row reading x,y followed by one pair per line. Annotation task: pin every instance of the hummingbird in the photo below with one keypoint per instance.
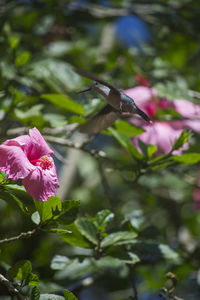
x,y
118,102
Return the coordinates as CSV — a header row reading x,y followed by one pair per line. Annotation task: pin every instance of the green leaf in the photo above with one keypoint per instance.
x,y
151,149
171,90
88,230
58,48
22,58
76,119
127,129
69,295
59,262
13,42
183,138
59,230
35,217
21,197
5,195
103,218
117,238
187,158
75,238
46,209
143,147
57,74
21,270
169,254
64,102
34,111
126,143
35,293
1,178
51,297
127,257
32,279
76,269
70,209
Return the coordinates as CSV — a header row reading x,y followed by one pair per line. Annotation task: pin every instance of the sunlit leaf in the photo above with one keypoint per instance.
x,y
57,74
22,58
103,218
151,149
46,208
69,295
59,262
35,217
20,270
126,143
183,138
13,41
187,158
117,237
169,254
51,297
64,102
127,128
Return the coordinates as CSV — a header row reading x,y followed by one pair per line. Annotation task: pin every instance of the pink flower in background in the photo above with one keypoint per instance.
x,y
163,134
160,134
196,192
28,157
196,197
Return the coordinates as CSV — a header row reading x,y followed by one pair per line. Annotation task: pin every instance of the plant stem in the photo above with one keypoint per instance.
x,y
131,277
20,236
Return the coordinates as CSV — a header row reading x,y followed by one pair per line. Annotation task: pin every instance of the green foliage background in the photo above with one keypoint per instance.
x,y
131,217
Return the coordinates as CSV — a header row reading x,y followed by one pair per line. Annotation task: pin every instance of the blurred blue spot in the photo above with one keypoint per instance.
x,y
132,31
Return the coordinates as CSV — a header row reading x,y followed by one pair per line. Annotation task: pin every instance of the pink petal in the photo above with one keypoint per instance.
x,y
141,94
22,141
41,184
192,124
187,109
160,134
40,147
13,161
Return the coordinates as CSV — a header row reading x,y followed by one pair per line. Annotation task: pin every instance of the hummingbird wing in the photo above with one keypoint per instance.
x,y
92,77
105,118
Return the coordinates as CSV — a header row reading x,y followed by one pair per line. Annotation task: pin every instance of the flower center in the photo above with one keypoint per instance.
x,y
43,162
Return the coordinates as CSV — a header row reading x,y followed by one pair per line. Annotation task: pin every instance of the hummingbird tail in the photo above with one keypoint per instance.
x,y
143,115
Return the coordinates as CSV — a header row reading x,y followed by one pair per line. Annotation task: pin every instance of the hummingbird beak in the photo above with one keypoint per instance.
x,y
89,89
84,91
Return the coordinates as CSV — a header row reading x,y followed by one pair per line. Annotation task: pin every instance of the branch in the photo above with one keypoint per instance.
x,y
78,146
61,141
106,189
12,290
20,236
132,280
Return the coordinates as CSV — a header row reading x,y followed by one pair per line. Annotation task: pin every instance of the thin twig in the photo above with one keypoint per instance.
x,y
106,186
22,235
78,146
131,276
12,290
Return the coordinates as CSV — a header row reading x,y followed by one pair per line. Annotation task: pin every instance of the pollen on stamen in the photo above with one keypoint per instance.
x,y
45,163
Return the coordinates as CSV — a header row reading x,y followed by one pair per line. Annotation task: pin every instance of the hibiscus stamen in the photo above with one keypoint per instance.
x,y
43,162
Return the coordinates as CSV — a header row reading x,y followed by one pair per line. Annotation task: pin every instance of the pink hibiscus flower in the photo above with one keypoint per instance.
x,y
28,157
163,134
